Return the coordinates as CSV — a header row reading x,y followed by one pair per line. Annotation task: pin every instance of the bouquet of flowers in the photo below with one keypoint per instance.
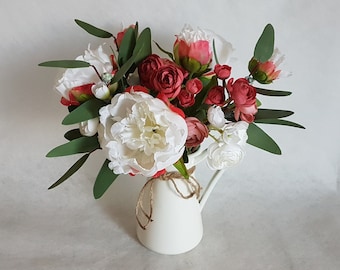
x,y
149,111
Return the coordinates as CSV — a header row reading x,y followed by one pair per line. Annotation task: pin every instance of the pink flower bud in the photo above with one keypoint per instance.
x,y
192,50
197,132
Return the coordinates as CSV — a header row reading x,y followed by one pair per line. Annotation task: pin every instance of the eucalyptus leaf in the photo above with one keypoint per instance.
x,y
273,93
72,134
127,46
65,64
143,46
75,167
270,114
279,122
93,30
265,45
171,56
86,111
123,70
180,166
104,180
258,138
76,146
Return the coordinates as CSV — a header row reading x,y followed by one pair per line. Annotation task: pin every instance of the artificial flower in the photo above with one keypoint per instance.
x,y
235,133
168,80
244,96
216,116
222,71
216,96
197,132
192,50
223,155
140,134
76,77
268,71
90,127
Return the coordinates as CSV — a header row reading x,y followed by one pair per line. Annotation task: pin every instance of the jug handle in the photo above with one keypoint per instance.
x,y
211,185
197,158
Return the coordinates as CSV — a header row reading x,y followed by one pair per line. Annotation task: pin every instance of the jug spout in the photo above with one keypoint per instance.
x,y
211,184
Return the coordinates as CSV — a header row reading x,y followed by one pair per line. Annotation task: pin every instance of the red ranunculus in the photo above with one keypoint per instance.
x,y
244,96
197,132
168,79
146,69
185,98
194,86
216,96
222,71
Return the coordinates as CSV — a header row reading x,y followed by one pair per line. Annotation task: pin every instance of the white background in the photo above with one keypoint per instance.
x,y
271,212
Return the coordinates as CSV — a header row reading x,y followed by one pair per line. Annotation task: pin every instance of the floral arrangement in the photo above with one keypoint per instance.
x,y
149,111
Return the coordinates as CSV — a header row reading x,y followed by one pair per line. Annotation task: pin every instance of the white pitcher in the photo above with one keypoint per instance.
x,y
169,211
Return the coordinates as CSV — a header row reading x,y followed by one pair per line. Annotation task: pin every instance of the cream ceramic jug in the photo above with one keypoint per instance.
x,y
169,212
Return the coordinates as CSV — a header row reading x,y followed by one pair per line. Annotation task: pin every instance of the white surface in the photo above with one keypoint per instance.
x,y
272,212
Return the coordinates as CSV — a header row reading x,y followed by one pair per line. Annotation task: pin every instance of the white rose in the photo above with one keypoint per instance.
x,y
216,116
221,155
235,133
100,91
89,127
140,134
79,76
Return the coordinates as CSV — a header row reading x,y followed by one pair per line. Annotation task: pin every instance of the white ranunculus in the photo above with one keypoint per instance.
x,y
100,91
89,127
216,116
235,133
222,155
140,134
79,76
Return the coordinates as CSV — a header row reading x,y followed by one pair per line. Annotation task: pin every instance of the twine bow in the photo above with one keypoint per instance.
x,y
191,183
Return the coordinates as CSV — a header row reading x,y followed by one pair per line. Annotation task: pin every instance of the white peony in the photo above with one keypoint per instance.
x,y
79,76
89,127
222,155
140,134
216,116
235,133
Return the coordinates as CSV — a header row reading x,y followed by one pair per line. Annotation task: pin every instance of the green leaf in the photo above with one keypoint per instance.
x,y
73,134
143,46
141,50
279,122
104,180
258,138
273,93
180,166
270,114
171,56
265,45
123,70
65,64
93,30
76,166
86,111
127,46
79,145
